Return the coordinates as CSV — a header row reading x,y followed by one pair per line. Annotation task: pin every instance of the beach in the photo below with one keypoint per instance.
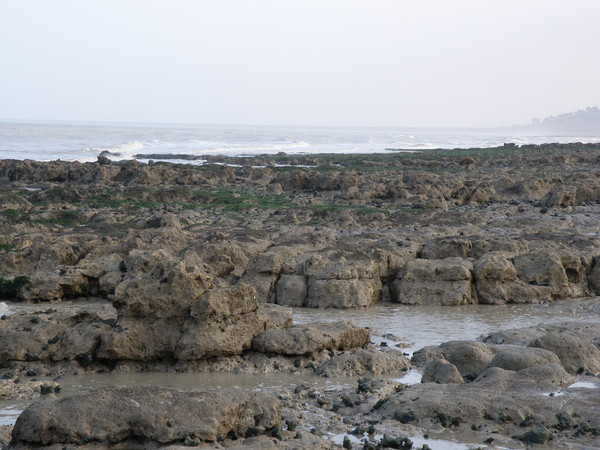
x,y
449,297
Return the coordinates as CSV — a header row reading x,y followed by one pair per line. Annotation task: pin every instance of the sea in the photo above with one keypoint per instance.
x,y
86,141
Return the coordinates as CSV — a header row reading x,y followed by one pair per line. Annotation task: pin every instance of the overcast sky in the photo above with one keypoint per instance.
x,y
278,62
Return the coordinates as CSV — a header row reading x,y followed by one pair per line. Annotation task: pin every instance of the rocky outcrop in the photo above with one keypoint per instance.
x,y
518,382
359,362
434,282
337,278
145,417
577,355
309,339
510,402
198,262
166,310
519,358
53,337
441,371
571,346
170,309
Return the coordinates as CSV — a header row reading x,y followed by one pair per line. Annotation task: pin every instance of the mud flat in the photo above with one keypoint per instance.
x,y
167,268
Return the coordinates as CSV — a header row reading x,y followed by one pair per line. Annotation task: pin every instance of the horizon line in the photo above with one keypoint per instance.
x,y
102,123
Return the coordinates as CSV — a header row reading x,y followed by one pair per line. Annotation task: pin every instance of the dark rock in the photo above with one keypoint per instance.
x,y
537,435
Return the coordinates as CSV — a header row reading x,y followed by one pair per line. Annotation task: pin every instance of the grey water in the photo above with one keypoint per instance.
x,y
85,141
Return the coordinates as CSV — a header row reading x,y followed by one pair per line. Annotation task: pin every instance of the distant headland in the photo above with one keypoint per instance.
x,y
584,122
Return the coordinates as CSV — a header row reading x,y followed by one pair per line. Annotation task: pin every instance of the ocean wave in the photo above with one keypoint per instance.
x,y
124,150
258,147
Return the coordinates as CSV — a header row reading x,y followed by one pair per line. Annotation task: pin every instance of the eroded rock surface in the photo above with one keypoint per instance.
x,y
144,416
199,266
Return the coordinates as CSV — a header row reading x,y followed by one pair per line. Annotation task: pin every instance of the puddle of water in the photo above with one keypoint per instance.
x,y
417,441
412,376
259,382
553,394
583,385
432,325
11,410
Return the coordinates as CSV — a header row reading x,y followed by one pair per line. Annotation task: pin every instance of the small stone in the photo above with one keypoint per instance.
x,y
46,389
537,435
251,432
365,385
277,433
191,442
316,432
404,416
396,442
347,444
347,401
300,388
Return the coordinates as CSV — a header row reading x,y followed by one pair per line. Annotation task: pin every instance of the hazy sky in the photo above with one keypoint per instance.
x,y
328,62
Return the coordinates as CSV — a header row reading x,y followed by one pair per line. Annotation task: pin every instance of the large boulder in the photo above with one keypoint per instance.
x,y
560,198
352,293
594,275
144,417
364,361
159,286
310,339
517,358
542,275
441,371
168,308
496,280
446,248
434,282
576,355
291,290
222,322
469,358
547,271
342,280
53,335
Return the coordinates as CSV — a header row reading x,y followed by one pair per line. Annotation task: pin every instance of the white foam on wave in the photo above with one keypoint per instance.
x,y
124,150
241,150
5,309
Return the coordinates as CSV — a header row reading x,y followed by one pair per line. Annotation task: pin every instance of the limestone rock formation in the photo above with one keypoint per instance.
x,y
313,338
361,361
144,417
434,282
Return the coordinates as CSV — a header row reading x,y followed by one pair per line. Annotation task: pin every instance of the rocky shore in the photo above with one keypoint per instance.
x,y
182,268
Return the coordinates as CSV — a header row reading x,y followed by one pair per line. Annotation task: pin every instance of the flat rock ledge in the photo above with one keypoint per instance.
x,y
145,417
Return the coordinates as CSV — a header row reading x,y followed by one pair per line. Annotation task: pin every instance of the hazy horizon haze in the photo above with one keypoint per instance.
x,y
338,63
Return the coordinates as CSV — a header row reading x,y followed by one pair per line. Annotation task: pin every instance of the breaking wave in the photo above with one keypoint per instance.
x,y
4,309
241,150
124,150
